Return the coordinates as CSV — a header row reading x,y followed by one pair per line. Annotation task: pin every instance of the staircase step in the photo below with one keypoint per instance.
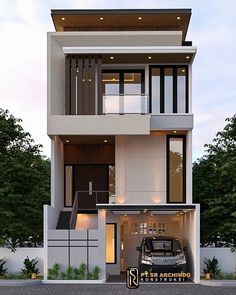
x,y
64,220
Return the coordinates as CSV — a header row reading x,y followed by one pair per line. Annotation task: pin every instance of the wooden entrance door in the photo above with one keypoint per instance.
x,y
89,180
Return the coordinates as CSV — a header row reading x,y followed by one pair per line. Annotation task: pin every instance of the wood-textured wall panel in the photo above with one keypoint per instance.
x,y
89,154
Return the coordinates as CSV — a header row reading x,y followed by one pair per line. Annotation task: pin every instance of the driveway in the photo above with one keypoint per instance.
x,y
119,289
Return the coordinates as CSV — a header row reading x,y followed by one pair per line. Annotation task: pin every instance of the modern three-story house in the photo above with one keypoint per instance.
x,y
120,122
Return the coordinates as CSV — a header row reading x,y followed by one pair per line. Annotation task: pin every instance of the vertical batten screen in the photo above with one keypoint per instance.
x,y
176,169
81,74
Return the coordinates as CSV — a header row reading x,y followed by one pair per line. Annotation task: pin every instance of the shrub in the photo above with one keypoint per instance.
x,y
2,269
212,267
53,272
29,267
94,274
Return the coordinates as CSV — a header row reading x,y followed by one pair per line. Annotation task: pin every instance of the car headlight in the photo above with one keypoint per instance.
x,y
181,259
146,260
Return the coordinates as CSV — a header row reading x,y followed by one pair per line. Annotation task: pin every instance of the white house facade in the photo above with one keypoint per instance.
x,y
120,122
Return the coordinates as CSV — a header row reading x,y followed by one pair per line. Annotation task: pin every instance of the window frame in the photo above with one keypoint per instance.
x,y
175,86
183,136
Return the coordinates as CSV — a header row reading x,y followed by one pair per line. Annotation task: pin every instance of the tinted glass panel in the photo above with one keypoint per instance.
x,y
110,243
181,90
156,90
68,185
176,169
168,90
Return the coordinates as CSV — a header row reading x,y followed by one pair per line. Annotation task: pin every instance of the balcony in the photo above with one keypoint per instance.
x,y
125,104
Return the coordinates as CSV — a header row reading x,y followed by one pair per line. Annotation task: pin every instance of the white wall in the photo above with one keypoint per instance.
x,y
141,169
226,258
57,173
192,241
55,77
15,260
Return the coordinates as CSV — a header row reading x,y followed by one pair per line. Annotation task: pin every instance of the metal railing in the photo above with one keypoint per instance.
x,y
87,200
125,104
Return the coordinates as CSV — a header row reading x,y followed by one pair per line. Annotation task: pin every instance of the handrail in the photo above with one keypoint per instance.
x,y
74,211
75,206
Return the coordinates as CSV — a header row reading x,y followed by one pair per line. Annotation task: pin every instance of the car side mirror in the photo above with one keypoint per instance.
x,y
185,249
138,248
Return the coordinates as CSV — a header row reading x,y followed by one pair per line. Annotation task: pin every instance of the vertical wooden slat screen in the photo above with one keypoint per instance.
x,y
73,87
67,86
80,88
91,95
99,85
79,72
85,86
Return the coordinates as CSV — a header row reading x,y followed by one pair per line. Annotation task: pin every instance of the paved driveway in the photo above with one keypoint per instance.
x,y
118,289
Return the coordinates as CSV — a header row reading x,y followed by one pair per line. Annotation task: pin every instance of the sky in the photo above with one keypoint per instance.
x,y
23,27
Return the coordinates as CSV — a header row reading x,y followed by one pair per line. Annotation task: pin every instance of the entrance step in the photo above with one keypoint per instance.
x,y
64,220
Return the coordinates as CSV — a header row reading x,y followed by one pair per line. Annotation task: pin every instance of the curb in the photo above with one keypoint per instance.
x,y
20,283
219,283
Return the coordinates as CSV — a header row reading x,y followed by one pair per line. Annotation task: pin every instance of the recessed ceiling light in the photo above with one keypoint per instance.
x,y
111,57
125,215
63,18
149,57
101,18
139,17
183,70
105,140
175,131
67,141
178,17
187,57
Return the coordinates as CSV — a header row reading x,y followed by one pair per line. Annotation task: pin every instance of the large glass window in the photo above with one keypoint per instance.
x,y
123,91
181,90
169,89
111,243
156,86
176,169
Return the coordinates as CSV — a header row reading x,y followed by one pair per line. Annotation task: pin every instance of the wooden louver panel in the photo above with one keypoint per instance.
x,y
83,94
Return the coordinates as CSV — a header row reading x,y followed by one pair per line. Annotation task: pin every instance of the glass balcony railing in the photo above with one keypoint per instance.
x,y
125,104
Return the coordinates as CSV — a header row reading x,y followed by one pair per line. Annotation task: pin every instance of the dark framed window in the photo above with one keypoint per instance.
x,y
169,89
111,243
176,169
124,91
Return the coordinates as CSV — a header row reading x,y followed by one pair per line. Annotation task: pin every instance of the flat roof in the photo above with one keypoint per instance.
x,y
121,19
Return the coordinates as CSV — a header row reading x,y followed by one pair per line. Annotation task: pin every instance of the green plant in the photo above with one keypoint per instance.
x,y
94,274
68,274
53,272
29,267
2,269
81,271
212,267
229,276
14,276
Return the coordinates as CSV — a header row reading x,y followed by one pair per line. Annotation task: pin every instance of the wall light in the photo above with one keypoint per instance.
x,y
63,18
67,141
139,17
178,17
149,57
101,18
187,57
105,140
111,57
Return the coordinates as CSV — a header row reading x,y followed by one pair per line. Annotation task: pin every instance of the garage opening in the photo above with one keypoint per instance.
x,y
160,240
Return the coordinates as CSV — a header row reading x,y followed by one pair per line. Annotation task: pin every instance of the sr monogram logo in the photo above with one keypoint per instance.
x,y
132,278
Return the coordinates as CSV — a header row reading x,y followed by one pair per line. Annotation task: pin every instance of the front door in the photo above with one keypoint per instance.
x,y
91,181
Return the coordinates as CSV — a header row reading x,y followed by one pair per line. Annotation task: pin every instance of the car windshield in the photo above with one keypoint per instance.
x,y
161,245
165,245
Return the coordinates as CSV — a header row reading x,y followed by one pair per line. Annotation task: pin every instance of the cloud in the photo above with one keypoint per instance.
x,y
23,27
